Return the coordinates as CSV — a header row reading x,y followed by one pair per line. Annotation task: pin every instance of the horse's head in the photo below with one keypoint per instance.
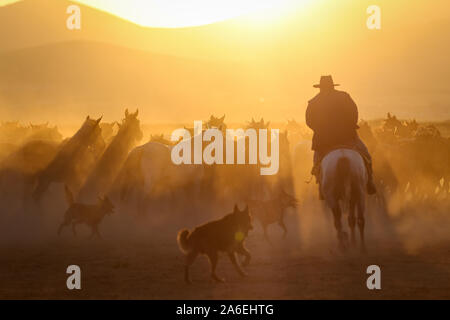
x,y
160,139
412,125
429,132
190,130
365,131
131,126
90,134
45,132
258,124
108,129
392,123
217,123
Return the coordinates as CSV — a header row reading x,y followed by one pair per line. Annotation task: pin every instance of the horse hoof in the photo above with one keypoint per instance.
x,y
343,241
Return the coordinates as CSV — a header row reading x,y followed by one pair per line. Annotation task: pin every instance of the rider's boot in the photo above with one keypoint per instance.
x,y
315,173
320,194
371,188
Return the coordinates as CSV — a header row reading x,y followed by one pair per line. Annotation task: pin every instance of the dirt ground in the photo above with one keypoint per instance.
x,y
147,264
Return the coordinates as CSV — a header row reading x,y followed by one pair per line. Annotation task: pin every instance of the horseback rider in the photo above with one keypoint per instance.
x,y
333,116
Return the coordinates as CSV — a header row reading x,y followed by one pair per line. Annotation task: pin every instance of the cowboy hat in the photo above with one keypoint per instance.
x,y
326,81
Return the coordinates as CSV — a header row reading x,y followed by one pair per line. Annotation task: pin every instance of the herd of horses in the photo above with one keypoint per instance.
x,y
107,159
410,159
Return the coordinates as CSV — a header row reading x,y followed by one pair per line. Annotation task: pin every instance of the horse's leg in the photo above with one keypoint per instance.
x,y
283,226
361,222
352,222
338,225
95,231
73,229
141,203
266,236
62,225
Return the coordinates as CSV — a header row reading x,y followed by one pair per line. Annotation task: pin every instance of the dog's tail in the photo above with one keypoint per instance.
x,y
69,195
183,241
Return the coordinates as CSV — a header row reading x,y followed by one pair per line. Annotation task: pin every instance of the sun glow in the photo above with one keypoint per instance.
x,y
182,13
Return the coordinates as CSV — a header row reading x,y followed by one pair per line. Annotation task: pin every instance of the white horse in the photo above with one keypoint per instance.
x,y
343,185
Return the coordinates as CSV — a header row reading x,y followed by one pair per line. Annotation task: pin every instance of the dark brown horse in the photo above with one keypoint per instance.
x,y
107,168
74,159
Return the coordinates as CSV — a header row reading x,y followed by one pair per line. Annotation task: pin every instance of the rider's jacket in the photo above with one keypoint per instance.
x,y
333,116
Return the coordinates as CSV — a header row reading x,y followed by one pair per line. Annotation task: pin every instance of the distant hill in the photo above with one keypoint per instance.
x,y
75,78
235,66
78,78
30,23
40,22
322,31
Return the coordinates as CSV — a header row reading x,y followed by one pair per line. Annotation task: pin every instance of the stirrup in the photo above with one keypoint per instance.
x,y
315,171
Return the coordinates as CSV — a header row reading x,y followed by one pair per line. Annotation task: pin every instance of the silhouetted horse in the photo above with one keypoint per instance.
x,y
149,170
107,168
74,159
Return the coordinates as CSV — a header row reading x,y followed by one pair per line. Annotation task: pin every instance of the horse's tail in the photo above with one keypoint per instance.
x,y
342,173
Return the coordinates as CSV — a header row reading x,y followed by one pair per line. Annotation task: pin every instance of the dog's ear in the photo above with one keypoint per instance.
x,y
235,209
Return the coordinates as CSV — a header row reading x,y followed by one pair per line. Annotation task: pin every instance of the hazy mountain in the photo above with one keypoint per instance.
x,y
37,22
323,30
74,78
241,66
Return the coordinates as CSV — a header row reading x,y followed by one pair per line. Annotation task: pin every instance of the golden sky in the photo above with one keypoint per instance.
x,y
238,68
182,13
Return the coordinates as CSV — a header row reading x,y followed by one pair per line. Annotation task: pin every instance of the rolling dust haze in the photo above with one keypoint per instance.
x,y
93,110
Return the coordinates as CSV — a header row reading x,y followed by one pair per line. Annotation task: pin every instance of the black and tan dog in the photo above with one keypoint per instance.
x,y
89,214
226,235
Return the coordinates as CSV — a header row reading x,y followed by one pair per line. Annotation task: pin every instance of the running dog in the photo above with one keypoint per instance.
x,y
89,214
272,211
227,235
